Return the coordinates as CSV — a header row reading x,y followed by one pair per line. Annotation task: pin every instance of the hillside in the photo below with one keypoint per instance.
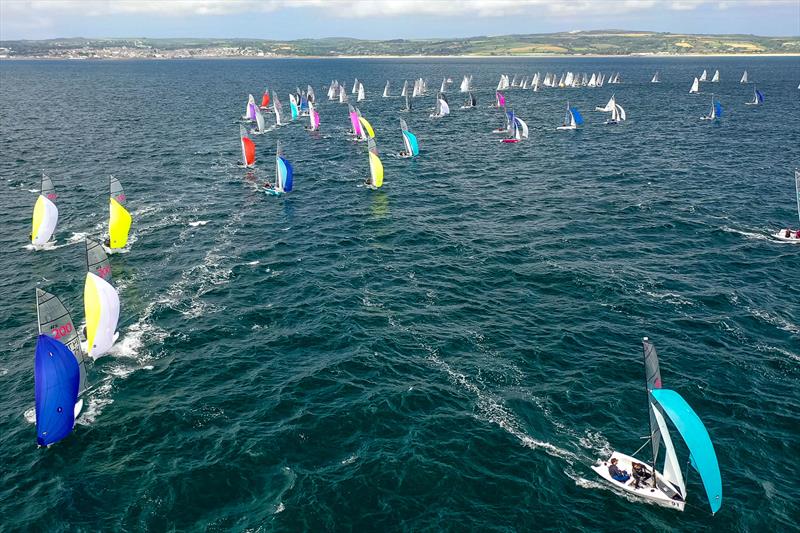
x,y
611,42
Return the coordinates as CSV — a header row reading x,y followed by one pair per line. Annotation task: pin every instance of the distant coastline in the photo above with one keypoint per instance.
x,y
610,43
516,56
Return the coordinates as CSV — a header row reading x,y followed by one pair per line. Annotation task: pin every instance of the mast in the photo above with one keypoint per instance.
x,y
797,189
652,375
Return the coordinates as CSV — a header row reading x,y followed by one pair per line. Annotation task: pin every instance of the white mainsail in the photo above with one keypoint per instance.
x,y
744,77
695,87
704,76
386,90
672,469
715,79
361,94
656,78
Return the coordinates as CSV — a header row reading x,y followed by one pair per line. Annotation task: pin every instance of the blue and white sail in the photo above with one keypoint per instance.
x,y
409,139
701,450
284,173
758,97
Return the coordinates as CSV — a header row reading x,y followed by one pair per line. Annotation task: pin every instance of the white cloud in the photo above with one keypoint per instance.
x,y
359,8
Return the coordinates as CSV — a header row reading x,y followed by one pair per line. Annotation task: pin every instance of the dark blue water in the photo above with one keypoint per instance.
x,y
450,352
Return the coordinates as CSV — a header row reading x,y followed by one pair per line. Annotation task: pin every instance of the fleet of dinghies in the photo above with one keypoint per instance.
x,y
61,351
61,354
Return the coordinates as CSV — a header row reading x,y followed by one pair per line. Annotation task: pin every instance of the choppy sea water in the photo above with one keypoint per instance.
x,y
450,352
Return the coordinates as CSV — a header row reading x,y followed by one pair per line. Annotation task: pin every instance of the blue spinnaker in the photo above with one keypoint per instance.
x,y
412,142
56,377
286,173
577,115
760,96
718,109
695,435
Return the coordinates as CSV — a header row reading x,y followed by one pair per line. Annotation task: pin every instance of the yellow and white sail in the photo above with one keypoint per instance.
x,y
45,214
100,301
375,165
119,219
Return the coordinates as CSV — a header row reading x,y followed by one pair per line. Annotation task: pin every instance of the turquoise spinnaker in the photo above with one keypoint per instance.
x,y
412,142
695,435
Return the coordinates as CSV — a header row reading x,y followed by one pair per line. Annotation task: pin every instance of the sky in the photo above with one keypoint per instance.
x,y
386,19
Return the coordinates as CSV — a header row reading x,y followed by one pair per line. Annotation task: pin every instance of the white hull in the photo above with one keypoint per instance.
x,y
567,128
78,407
646,491
781,236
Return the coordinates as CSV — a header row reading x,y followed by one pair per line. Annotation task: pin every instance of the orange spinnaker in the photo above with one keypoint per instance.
x,y
249,151
265,100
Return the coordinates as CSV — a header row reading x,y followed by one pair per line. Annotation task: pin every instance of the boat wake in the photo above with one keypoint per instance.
x,y
493,410
748,234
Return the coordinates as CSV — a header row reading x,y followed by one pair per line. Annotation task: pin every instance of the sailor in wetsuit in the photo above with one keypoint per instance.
x,y
640,474
616,474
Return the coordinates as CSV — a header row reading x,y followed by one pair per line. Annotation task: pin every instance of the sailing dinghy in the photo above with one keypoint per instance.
x,y
470,102
100,301
442,107
361,94
618,114
744,77
787,235
249,147
294,111
409,140
366,127
45,214
656,78
59,371
250,109
572,119
695,87
519,130
758,97
355,123
265,99
715,79
313,117
277,108
284,174
704,76
715,112
375,180
261,123
119,219
407,108
667,487
386,90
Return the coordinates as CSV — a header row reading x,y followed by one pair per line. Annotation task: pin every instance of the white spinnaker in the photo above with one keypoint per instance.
x,y
49,219
672,469
621,113
523,127
262,127
444,108
109,314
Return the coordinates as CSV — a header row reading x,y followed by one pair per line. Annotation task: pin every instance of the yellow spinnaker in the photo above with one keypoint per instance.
x,y
119,224
92,309
367,127
376,170
38,216
45,218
